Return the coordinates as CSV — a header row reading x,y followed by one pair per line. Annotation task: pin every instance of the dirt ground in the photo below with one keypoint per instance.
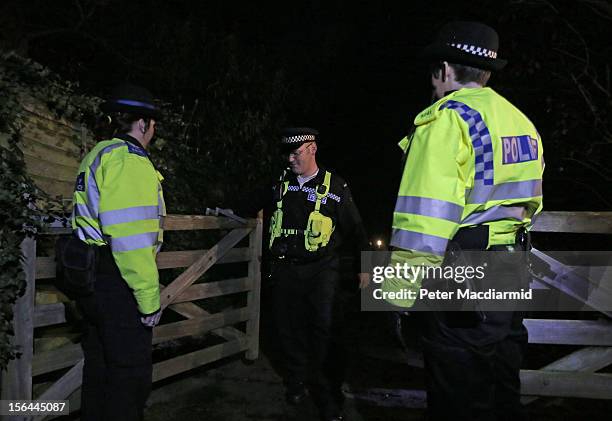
x,y
234,390
240,391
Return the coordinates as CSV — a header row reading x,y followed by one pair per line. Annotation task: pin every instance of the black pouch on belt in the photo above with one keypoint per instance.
x,y
471,240
76,266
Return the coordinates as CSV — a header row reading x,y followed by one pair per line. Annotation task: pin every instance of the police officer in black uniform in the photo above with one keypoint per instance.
x,y
312,214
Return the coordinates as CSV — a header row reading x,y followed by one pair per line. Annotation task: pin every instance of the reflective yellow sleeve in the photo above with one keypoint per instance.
x,y
431,196
129,214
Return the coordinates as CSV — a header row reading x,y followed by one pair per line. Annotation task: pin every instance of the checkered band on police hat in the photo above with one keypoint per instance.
x,y
299,138
468,43
477,51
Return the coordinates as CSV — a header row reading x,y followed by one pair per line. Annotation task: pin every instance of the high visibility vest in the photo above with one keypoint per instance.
x,y
473,159
118,201
319,228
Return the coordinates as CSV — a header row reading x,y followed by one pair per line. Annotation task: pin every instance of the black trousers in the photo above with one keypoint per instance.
x,y
308,322
117,348
474,382
473,370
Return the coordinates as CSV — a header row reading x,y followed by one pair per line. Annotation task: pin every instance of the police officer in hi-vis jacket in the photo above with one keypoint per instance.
x,y
472,180
118,209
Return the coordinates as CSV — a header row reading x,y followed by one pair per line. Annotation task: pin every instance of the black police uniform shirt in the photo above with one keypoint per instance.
x,y
298,203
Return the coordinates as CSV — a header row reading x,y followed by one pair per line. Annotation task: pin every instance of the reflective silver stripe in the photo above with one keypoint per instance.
x,y
429,207
82,210
79,233
410,240
495,213
88,233
161,210
513,190
134,242
137,213
161,204
93,193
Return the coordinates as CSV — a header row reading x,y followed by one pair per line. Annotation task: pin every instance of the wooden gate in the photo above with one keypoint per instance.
x,y
576,374
237,328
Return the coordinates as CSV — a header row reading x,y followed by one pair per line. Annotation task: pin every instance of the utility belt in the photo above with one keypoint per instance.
x,y
470,238
291,231
297,261
462,250
477,238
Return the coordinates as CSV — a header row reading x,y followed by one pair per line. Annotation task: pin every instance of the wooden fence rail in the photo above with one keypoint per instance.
x,y
238,327
575,375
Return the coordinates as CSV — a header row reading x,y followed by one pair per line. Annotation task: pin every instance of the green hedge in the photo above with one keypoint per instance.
x,y
212,151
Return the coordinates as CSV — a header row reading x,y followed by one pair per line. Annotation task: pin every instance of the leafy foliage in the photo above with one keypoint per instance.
x,y
218,141
19,218
225,142
561,72
23,208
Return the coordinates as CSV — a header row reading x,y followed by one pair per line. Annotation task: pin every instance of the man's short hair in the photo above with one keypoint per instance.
x,y
466,74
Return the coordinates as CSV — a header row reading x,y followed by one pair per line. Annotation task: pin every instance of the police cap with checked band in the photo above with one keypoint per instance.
x,y
469,43
294,137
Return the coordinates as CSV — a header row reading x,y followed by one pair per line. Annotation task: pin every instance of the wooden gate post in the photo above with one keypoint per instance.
x,y
253,297
17,380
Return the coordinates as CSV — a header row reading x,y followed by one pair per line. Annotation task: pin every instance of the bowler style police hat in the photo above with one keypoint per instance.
x,y
294,137
469,43
127,98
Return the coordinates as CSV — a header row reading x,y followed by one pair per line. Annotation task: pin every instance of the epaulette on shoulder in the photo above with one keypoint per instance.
x,y
430,113
427,115
336,179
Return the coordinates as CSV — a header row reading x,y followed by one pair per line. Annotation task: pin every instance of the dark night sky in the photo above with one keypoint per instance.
x,y
360,59
355,61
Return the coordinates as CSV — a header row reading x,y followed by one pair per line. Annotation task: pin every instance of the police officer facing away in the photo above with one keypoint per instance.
x,y
118,211
472,179
312,214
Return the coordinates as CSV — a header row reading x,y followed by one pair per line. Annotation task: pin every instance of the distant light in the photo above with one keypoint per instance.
x,y
379,243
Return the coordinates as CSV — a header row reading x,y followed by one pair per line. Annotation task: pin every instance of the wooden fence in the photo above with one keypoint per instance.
x,y
52,147
576,374
236,328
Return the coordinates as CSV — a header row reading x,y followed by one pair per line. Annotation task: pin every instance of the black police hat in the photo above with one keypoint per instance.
x,y
127,98
469,43
294,137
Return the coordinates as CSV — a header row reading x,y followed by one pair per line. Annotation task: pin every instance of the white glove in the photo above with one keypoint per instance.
x,y
152,319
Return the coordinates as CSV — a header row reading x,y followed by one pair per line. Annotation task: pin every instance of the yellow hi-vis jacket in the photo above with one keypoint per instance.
x,y
473,159
118,200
